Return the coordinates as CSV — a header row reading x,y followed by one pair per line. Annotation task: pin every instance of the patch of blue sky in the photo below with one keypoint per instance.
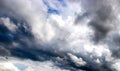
x,y
53,11
21,67
63,3
57,4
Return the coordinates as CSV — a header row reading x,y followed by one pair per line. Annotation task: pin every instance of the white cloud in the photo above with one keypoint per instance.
x,y
14,64
8,23
33,12
7,66
116,65
78,61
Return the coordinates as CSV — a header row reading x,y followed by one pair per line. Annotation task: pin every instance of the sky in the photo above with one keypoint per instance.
x,y
59,35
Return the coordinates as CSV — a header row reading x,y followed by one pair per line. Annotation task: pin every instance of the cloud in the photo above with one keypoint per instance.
x,y
116,65
10,25
77,61
7,66
14,64
83,34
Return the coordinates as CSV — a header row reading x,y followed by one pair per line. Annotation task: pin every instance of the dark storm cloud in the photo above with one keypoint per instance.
x,y
114,45
3,51
11,41
100,14
99,23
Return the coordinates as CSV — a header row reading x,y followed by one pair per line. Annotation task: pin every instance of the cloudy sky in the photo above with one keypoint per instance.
x,y
59,35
